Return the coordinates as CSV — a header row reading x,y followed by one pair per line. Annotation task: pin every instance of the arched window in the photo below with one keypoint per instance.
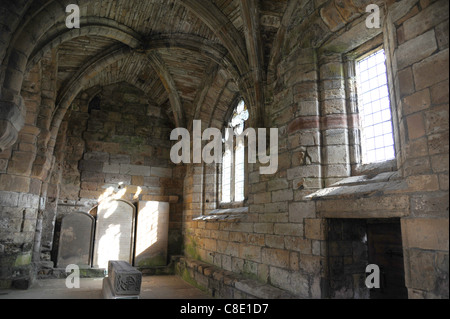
x,y
233,165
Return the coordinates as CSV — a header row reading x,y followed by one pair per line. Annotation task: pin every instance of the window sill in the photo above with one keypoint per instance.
x,y
370,197
224,205
371,170
363,185
226,215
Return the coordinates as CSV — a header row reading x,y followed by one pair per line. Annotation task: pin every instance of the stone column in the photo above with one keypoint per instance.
x,y
334,122
19,194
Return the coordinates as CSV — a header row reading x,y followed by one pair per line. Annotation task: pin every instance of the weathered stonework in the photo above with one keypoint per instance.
x,y
87,114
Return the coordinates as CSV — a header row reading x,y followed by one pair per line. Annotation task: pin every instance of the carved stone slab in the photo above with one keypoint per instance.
x,y
114,234
75,241
152,234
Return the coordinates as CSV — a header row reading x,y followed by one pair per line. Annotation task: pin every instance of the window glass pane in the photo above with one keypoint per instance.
x,y
226,177
390,152
377,142
233,167
388,140
239,174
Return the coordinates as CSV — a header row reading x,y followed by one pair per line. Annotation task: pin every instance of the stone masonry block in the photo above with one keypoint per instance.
x,y
423,183
97,156
416,126
21,163
427,18
440,93
117,178
119,159
335,154
277,184
282,195
301,210
416,102
277,207
315,229
263,228
262,198
161,172
91,166
435,204
111,168
430,71
416,49
135,170
275,257
288,229
436,120
426,233
9,199
420,273
406,82
303,171
14,183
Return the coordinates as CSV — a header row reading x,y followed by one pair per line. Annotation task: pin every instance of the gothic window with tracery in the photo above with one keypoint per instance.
x,y
233,165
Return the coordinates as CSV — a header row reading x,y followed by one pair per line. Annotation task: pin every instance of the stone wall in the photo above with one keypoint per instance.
x,y
283,239
418,47
21,191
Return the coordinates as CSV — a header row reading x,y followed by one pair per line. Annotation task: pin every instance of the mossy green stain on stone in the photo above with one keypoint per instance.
x,y
136,140
250,270
156,261
23,260
5,284
187,277
191,249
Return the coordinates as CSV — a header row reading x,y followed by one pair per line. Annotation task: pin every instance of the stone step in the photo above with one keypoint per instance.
x,y
226,284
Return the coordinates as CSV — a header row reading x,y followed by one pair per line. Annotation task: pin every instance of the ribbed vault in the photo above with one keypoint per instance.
x,y
181,51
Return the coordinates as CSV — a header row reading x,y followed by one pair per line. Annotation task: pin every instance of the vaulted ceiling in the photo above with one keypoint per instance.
x,y
192,57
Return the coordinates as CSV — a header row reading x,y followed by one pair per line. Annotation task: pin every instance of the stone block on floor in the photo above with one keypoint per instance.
x,y
123,281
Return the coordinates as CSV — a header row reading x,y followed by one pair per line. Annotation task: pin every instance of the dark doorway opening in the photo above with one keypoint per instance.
x,y
355,243
385,249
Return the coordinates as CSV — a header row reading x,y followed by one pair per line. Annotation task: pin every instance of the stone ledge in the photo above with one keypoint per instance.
x,y
382,196
226,284
357,186
228,215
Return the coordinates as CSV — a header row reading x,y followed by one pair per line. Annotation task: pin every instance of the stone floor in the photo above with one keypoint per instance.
x,y
153,287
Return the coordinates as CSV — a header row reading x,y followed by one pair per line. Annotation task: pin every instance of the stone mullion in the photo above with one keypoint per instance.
x,y
354,137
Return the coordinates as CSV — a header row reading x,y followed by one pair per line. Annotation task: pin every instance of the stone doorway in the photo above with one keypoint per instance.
x,y
355,243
